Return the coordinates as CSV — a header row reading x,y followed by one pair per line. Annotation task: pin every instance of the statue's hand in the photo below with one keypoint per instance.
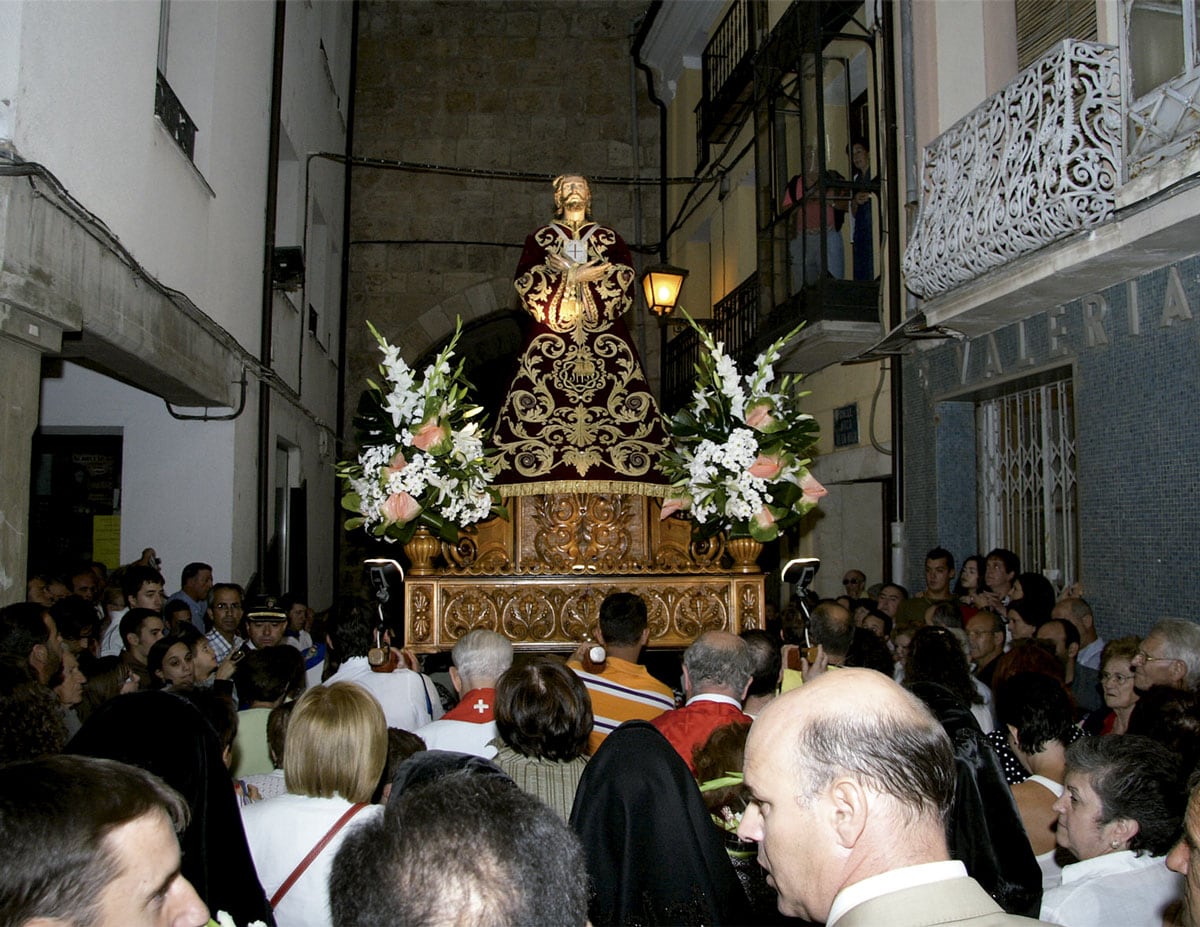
x,y
592,270
557,263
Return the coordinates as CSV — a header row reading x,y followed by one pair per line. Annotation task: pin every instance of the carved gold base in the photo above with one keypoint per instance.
x,y
539,579
557,613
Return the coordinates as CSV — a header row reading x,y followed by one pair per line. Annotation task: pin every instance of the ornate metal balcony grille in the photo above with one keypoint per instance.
x,y
1036,162
168,109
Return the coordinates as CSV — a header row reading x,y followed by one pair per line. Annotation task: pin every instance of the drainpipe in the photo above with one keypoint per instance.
x,y
896,295
636,52
266,454
343,303
651,13
638,331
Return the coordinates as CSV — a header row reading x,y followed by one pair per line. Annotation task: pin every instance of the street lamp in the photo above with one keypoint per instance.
x,y
661,284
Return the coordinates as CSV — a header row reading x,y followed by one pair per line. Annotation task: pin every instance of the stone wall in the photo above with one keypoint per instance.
x,y
486,88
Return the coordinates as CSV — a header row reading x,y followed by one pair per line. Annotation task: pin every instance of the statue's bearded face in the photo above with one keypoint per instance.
x,y
573,193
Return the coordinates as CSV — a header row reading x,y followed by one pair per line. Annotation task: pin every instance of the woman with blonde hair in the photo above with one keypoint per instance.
x,y
332,759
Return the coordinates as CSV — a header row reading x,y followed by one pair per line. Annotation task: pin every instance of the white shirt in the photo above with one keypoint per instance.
x,y
1116,888
112,645
715,697
460,737
402,692
1048,861
281,831
897,880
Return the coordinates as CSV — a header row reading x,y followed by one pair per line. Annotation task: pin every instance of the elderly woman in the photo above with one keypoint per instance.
x,y
332,759
1116,680
543,718
1119,815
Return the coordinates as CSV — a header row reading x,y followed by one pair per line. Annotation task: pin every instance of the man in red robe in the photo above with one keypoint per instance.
x,y
716,677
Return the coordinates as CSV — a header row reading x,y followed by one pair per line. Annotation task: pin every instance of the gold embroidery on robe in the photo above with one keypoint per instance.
x,y
579,406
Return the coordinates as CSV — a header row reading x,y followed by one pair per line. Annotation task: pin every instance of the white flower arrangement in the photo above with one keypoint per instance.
x,y
741,452
422,459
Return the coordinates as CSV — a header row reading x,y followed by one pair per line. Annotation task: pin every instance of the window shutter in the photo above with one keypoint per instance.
x,y
1041,24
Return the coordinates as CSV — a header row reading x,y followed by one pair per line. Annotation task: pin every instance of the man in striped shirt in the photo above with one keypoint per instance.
x,y
622,689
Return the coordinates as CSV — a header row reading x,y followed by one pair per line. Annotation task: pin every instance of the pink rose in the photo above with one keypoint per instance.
x,y
431,436
759,415
675,504
400,507
763,518
811,488
766,467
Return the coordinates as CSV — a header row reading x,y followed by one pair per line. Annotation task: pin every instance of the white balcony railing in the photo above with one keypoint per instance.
x,y
1037,161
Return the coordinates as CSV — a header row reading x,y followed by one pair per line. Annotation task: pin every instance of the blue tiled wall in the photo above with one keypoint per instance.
x,y
1137,417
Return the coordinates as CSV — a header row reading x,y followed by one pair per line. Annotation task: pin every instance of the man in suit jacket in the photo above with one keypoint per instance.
x,y
852,778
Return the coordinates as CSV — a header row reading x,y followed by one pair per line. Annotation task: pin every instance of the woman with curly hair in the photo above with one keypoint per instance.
x,y
31,719
936,655
984,827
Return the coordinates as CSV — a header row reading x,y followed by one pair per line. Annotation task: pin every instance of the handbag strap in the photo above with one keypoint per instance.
x,y
314,853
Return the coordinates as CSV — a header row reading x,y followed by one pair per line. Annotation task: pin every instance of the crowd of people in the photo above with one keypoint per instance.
x,y
972,753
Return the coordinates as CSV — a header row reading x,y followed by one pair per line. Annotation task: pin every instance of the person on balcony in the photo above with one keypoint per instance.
x,y
862,240
579,415
816,218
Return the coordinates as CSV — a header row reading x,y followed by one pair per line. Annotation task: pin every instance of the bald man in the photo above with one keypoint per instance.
x,y
852,779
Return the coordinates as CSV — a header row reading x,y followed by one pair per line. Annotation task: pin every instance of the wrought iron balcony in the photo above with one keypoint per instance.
x,y
1036,162
170,111
734,323
727,73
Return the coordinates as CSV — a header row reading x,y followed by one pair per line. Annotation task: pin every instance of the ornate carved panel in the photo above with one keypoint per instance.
x,y
555,613
539,579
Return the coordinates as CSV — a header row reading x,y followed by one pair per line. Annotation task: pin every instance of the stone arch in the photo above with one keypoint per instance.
x,y
436,324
